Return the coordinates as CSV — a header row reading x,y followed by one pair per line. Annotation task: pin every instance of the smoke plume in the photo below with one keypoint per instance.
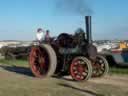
x,y
78,7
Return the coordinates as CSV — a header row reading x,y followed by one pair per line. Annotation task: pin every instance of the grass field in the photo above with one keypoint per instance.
x,y
17,80
118,70
19,62
113,70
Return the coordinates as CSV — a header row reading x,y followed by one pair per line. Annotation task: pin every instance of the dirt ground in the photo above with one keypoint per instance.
x,y
19,81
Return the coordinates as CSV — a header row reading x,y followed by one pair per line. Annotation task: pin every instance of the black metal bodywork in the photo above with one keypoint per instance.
x,y
72,54
69,46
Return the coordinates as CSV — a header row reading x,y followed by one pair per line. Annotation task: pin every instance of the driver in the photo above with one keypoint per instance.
x,y
40,35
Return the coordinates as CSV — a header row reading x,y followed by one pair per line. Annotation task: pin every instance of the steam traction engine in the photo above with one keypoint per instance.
x,y
68,55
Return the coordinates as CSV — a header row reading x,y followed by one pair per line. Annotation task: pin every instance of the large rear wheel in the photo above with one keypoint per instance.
x,y
42,60
81,69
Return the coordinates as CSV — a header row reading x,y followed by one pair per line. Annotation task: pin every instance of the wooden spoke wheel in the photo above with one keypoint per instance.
x,y
100,67
81,69
42,60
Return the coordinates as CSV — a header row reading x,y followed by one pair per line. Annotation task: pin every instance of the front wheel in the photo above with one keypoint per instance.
x,y
80,68
100,66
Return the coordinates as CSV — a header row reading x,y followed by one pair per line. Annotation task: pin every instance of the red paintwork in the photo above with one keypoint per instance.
x,y
37,61
116,51
77,70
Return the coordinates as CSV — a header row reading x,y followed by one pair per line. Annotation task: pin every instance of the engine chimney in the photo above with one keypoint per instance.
x,y
88,29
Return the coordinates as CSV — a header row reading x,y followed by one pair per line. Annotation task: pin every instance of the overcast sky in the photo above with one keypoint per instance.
x,y
19,19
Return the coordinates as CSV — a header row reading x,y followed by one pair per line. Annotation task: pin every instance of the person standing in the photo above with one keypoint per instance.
x,y
40,35
47,36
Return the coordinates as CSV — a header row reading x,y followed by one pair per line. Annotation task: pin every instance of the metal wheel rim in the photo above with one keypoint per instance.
x,y
98,67
39,61
79,70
